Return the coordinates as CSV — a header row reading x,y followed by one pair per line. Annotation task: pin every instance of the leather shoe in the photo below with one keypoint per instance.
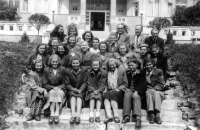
x,y
152,119
72,120
29,117
91,119
126,119
108,120
78,120
51,119
138,123
97,119
37,118
158,121
56,119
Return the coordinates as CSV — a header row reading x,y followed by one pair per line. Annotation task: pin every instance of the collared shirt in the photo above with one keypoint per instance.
x,y
94,51
137,38
54,71
76,73
148,75
112,78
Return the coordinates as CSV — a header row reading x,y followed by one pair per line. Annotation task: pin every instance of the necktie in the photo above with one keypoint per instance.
x,y
118,37
137,40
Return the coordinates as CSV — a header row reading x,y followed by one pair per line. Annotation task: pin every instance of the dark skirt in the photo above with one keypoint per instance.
x,y
116,96
91,96
81,95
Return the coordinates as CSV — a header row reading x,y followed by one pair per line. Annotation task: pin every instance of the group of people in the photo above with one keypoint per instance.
x,y
121,71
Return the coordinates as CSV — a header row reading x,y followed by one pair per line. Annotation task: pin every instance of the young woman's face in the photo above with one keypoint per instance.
x,y
54,44
122,49
132,66
75,64
84,46
143,51
95,65
60,30
72,32
38,66
95,44
41,49
61,49
72,41
88,37
103,48
113,39
112,65
54,62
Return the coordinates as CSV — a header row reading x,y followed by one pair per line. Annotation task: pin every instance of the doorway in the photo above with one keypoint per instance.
x,y
97,21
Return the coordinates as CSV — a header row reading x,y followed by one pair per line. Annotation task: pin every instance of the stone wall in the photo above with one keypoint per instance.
x,y
17,38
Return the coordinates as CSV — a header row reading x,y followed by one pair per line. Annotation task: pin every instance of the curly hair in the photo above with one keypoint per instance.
x,y
122,44
113,60
34,64
66,50
126,28
52,57
107,46
83,35
70,27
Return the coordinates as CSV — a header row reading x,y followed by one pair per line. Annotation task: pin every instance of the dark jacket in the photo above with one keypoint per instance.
x,y
160,42
139,82
122,82
86,60
79,81
33,57
50,80
60,37
156,78
105,60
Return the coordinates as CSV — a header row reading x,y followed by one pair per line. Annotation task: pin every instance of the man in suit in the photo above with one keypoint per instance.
x,y
154,39
134,93
154,95
137,39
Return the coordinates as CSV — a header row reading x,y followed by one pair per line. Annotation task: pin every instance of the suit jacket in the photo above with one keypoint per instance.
x,y
122,82
133,44
156,79
104,60
160,42
50,80
139,82
124,38
33,57
86,60
79,81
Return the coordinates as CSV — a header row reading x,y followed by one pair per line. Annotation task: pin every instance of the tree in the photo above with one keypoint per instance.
x,y
192,14
39,21
8,12
179,18
159,23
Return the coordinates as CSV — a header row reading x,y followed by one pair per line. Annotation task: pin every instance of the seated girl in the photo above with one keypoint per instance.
x,y
40,54
53,80
95,48
117,84
88,37
97,81
73,31
76,81
35,97
53,45
112,42
72,44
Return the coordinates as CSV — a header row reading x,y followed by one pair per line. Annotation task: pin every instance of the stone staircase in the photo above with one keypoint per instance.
x,y
170,115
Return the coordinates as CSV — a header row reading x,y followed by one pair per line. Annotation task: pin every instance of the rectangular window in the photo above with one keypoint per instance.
x,y
183,33
11,28
174,33
10,2
20,28
136,9
1,27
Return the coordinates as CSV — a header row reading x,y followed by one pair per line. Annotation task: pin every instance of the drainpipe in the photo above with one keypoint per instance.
x,y
53,17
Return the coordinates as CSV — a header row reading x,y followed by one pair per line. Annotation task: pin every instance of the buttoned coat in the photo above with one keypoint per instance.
x,y
87,59
160,42
156,79
104,61
122,82
96,82
50,80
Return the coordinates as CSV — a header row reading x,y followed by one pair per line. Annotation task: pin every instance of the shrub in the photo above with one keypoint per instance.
x,y
25,38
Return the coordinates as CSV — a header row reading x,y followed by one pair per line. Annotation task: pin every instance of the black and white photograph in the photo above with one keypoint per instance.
x,y
99,64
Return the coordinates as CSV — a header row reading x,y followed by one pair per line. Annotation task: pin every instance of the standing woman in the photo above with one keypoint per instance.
x,y
97,81
73,31
88,36
58,32
117,84
85,56
76,81
112,42
40,54
35,97
53,46
53,80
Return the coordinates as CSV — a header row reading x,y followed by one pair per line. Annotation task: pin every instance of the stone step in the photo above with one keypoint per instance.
x,y
19,123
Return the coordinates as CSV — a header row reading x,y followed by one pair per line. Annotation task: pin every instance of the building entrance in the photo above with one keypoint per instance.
x,y
97,22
